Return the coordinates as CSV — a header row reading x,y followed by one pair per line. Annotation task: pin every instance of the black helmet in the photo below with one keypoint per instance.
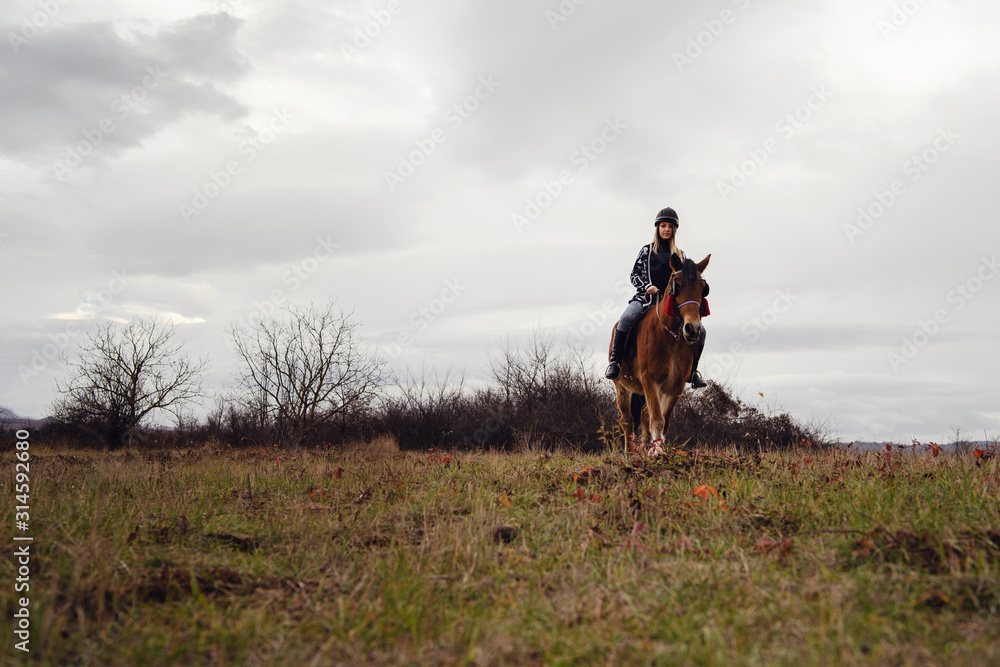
x,y
668,214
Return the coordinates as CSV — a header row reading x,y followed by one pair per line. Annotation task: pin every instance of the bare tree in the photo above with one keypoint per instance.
x,y
305,368
126,374
525,372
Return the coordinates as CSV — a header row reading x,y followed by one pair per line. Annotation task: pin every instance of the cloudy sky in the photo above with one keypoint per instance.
x,y
455,172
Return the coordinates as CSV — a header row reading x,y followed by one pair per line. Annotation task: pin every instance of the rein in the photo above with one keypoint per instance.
x,y
656,306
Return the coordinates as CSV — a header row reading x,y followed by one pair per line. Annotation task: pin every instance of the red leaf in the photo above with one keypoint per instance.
x,y
704,491
445,459
504,500
978,453
338,472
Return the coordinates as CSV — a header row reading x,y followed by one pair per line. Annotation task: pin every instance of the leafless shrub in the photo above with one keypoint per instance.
x,y
712,416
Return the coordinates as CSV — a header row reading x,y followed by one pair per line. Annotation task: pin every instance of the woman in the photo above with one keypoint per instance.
x,y
651,275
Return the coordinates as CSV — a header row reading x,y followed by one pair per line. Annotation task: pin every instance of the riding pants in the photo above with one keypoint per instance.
x,y
632,312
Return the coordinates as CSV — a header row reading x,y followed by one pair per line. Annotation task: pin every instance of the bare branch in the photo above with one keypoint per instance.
x,y
305,368
126,374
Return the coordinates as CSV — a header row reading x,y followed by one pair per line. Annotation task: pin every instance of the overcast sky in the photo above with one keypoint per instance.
x,y
455,172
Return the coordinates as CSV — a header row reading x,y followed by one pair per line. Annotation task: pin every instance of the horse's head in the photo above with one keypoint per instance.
x,y
688,291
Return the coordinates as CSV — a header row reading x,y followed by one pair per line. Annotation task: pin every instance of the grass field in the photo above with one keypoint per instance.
x,y
217,556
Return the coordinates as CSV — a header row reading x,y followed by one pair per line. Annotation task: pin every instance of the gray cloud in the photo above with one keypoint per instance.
x,y
687,130
69,80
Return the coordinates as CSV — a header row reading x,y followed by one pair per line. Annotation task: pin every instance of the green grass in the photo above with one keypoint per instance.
x,y
217,556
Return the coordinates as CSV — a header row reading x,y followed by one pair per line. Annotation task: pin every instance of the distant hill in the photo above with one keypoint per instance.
x,y
12,420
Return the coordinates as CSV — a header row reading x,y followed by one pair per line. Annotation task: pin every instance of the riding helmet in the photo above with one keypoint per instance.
x,y
667,214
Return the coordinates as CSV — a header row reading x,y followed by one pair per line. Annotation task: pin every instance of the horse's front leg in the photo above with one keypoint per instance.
x,y
668,409
666,404
654,404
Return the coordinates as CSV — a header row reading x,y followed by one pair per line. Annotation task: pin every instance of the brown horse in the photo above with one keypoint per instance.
x,y
660,363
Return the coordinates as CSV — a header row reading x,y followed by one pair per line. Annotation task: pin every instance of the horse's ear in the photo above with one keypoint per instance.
x,y
676,263
703,264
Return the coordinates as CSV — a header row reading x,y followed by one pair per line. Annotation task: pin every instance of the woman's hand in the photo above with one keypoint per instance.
x,y
652,289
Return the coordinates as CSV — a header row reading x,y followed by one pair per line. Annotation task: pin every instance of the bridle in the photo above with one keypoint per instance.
x,y
672,291
666,328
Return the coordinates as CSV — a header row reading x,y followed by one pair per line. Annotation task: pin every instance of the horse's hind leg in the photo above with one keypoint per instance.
x,y
624,400
640,418
644,424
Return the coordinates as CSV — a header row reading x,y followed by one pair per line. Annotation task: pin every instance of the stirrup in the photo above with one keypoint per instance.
x,y
697,381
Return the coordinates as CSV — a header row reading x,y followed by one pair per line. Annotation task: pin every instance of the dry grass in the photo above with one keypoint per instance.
x,y
372,556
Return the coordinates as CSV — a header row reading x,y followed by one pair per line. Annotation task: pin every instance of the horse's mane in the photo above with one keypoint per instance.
x,y
689,272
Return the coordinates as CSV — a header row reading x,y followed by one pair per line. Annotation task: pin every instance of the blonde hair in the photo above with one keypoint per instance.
x,y
674,250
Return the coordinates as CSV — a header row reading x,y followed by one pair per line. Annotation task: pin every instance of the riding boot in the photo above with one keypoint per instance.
x,y
696,380
617,350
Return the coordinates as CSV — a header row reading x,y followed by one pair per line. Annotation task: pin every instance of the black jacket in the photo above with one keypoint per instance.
x,y
650,268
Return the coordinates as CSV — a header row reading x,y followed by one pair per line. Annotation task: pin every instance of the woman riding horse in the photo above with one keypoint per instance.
x,y
650,276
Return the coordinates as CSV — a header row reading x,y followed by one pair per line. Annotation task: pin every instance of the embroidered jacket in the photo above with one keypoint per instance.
x,y
649,270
